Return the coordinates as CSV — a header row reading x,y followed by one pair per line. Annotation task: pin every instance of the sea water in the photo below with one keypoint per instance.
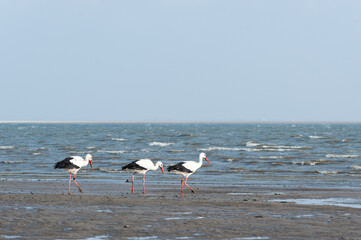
x,y
288,154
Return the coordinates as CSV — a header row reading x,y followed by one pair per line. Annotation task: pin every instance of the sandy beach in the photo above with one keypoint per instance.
x,y
43,210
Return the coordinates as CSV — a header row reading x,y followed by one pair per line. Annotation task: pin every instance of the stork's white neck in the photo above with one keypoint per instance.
x,y
157,165
200,159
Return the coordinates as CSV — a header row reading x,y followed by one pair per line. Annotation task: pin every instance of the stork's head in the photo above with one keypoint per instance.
x,y
160,164
204,156
89,158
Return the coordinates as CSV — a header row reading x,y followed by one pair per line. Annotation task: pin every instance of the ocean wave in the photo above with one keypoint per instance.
x,y
275,148
91,148
253,149
276,157
148,150
278,163
286,147
6,147
112,152
342,156
356,167
324,172
109,170
77,152
315,137
185,135
160,144
13,162
119,139
311,163
176,151
221,149
257,147
252,144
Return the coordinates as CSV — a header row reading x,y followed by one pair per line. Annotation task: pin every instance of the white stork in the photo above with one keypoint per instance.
x,y
142,166
187,168
72,165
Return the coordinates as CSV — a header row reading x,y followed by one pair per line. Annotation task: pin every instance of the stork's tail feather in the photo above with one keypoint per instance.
x,y
66,163
57,165
60,164
172,168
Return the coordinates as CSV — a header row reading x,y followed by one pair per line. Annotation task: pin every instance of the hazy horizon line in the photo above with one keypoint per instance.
x,y
179,122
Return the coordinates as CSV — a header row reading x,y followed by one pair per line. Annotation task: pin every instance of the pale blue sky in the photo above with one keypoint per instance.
x,y
180,60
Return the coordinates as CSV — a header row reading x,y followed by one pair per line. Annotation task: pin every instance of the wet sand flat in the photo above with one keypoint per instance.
x,y
43,210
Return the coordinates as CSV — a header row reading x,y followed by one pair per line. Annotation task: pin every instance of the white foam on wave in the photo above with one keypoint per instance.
x,y
356,167
274,157
257,147
6,147
160,144
252,144
311,163
254,149
221,149
284,147
324,172
119,139
276,148
315,137
342,156
111,152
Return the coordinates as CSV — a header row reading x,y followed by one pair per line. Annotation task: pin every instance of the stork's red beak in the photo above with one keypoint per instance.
x,y
207,160
162,169
91,164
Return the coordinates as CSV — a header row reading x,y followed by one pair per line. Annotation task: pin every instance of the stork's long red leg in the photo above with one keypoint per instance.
x,y
143,184
77,184
69,184
182,184
185,182
133,183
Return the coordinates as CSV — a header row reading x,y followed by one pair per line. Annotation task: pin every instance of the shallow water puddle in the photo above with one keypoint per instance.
x,y
100,237
143,238
104,211
183,218
11,236
234,193
183,213
305,216
251,238
340,202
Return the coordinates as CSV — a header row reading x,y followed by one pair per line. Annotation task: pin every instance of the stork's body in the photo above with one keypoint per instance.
x,y
142,166
73,164
186,169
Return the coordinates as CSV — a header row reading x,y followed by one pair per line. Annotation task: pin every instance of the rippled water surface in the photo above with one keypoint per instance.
x,y
308,155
